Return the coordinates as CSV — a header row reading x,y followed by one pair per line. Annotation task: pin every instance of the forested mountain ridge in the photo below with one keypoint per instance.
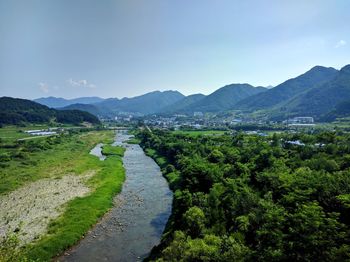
x,y
145,104
92,109
17,111
322,99
315,77
180,105
57,102
314,93
223,98
341,110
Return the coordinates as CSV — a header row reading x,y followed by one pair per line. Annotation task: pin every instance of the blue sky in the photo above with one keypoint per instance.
x,y
72,48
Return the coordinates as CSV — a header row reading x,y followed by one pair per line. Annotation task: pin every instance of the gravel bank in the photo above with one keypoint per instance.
x,y
29,209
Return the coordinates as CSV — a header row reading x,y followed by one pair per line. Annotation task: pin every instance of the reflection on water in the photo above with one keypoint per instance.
x,y
135,224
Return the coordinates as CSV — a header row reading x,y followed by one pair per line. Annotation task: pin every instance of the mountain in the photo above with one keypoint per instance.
x,y
183,103
56,102
322,99
224,98
92,109
145,104
313,78
16,111
341,110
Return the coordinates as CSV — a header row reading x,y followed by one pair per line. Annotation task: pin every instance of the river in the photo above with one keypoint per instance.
x,y
136,222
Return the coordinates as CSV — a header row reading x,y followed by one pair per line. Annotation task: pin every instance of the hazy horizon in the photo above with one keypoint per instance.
x,y
128,48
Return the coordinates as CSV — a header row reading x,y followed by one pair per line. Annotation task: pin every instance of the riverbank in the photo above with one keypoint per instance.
x,y
135,224
72,188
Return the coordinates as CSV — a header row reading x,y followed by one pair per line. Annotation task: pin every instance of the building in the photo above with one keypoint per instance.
x,y
301,120
199,114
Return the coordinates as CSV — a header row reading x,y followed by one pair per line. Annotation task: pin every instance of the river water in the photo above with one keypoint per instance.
x,y
136,222
97,151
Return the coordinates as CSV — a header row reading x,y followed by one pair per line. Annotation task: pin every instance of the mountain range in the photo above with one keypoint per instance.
x,y
57,102
315,93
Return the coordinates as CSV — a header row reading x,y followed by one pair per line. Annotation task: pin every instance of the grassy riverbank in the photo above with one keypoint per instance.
x,y
54,158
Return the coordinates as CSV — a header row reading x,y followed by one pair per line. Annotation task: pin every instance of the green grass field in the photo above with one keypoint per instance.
x,y
47,157
55,157
200,132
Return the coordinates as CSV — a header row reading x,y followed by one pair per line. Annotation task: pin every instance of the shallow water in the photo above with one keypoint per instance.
x,y
136,222
97,151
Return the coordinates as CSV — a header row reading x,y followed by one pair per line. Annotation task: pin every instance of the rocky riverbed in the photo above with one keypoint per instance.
x,y
28,210
136,222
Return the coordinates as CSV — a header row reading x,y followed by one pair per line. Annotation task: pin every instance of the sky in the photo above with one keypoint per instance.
x,y
125,48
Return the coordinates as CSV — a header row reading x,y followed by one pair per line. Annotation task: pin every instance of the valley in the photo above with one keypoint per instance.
x,y
175,131
52,191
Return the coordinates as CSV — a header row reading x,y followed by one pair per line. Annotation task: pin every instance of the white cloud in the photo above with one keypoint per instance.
x,y
44,87
340,44
80,83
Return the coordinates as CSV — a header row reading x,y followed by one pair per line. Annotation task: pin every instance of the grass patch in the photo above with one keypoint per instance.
x,y
109,150
32,160
134,141
82,213
54,157
200,132
160,160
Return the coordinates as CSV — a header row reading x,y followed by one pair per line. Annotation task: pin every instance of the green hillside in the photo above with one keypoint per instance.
x,y
145,104
315,77
224,98
92,109
341,110
323,99
16,111
179,106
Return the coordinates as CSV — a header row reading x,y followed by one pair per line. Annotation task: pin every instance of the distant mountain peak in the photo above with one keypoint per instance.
x,y
319,68
57,102
345,69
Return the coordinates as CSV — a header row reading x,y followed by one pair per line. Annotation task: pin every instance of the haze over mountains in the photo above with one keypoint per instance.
x,y
315,93
57,102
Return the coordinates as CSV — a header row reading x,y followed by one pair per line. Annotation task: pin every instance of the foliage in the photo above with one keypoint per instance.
x,y
15,111
82,213
243,197
289,89
342,109
31,160
222,99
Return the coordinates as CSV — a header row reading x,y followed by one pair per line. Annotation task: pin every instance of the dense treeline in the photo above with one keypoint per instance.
x,y
245,198
15,111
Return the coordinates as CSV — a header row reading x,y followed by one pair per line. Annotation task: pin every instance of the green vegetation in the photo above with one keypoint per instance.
x,y
9,251
15,111
246,198
146,104
199,132
289,89
30,160
92,109
181,105
134,140
54,157
82,213
109,150
224,98
341,110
